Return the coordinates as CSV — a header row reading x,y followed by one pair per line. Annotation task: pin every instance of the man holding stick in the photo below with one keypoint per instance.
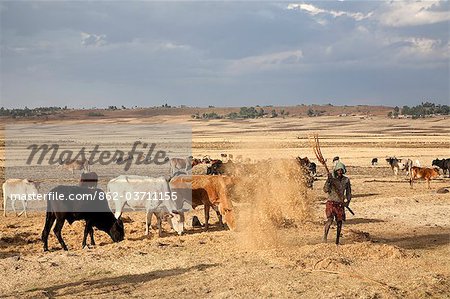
x,y
338,188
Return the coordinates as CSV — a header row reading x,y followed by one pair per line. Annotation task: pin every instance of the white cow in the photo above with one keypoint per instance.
x,y
409,164
152,194
18,189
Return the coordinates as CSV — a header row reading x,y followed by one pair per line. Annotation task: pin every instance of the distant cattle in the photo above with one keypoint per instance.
x,y
196,161
151,194
423,173
226,157
89,180
408,164
209,191
214,167
95,212
180,165
19,189
443,164
374,161
72,165
395,164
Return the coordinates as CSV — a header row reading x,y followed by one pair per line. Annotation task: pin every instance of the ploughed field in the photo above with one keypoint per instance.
x,y
396,246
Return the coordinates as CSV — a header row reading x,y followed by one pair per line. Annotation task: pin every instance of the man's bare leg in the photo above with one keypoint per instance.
x,y
338,231
327,228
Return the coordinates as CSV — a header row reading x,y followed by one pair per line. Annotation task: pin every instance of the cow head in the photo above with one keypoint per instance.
x,y
228,216
33,184
176,221
438,163
117,231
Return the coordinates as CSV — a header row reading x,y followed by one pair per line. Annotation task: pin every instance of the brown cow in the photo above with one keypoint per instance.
x,y
423,173
180,165
209,191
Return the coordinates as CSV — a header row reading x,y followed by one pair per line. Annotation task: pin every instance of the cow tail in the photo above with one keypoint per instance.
x,y
4,197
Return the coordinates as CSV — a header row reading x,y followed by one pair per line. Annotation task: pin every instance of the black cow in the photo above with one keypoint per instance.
x,y
93,209
394,163
374,161
443,164
89,180
214,168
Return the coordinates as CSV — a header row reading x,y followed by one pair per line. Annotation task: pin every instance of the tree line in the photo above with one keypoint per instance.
x,y
244,113
422,110
25,112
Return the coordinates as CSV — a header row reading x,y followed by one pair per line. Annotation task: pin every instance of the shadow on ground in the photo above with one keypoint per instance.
x,y
105,285
425,241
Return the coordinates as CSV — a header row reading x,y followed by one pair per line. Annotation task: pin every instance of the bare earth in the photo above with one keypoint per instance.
x,y
396,246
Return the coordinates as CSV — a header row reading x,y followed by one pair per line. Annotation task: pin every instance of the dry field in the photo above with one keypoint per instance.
x,y
396,246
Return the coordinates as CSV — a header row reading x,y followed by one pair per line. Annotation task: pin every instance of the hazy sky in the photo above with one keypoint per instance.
x,y
223,53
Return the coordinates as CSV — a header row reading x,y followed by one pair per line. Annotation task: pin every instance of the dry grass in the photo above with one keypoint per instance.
x,y
396,246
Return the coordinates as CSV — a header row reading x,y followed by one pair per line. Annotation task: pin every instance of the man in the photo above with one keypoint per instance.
x,y
338,187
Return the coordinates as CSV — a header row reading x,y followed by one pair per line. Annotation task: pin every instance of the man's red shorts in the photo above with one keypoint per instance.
x,y
335,209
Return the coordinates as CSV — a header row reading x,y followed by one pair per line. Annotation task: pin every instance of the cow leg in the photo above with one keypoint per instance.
x,y
119,207
206,216
87,230
49,220
428,182
148,222
220,219
25,203
338,231
57,230
24,210
411,182
327,229
13,205
159,218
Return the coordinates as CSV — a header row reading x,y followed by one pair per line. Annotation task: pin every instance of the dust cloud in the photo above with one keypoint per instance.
x,y
270,195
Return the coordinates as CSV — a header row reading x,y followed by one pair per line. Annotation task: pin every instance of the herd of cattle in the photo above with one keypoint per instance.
x,y
185,190
414,171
